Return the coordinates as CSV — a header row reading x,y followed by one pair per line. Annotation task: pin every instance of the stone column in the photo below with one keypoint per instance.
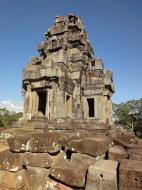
x,y
60,109
99,107
35,102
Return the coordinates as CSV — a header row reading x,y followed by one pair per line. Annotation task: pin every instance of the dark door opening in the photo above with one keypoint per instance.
x,y
91,111
42,102
68,105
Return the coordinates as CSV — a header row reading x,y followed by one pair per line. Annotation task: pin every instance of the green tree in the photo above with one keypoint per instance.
x,y
130,115
7,118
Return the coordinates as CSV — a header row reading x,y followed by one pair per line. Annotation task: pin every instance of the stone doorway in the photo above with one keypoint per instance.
x,y
91,108
42,102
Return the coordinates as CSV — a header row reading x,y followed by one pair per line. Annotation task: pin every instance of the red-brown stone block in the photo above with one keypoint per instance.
x,y
130,175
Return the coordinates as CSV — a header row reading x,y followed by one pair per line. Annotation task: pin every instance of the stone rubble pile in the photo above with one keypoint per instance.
x,y
71,161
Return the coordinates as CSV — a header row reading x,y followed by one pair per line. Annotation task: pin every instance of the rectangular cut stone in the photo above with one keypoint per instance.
x,y
39,180
130,175
117,153
94,146
53,185
3,147
102,176
135,153
69,173
83,159
43,160
13,180
10,161
45,142
38,177
19,143
122,140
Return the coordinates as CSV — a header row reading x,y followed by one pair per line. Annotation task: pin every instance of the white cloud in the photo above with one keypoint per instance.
x,y
9,105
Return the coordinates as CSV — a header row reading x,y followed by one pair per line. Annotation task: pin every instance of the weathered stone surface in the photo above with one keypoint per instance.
x,y
45,142
39,180
13,180
135,151
102,176
50,185
83,159
3,147
23,188
117,153
130,175
19,143
94,146
69,173
135,154
60,157
123,140
37,177
43,160
10,161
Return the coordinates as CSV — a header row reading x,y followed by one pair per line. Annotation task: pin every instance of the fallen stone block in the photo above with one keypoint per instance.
x,y
3,147
19,143
130,175
39,180
83,159
60,157
102,176
13,180
53,185
43,160
117,153
135,154
10,161
45,142
69,173
23,188
123,140
37,177
95,146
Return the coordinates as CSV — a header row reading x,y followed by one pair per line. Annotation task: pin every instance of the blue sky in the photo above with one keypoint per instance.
x,y
114,28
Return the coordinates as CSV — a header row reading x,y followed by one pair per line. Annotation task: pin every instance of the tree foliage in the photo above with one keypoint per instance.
x,y
130,115
7,118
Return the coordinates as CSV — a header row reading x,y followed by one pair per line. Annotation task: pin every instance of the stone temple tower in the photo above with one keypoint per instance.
x,y
66,83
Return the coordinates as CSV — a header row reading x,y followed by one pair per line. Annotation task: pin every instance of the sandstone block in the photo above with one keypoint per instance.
x,y
10,161
130,175
94,146
135,154
3,147
19,143
13,180
60,157
37,177
102,175
83,159
69,173
117,153
50,185
43,160
45,142
123,140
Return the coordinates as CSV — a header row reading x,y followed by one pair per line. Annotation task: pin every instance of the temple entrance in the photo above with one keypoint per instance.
x,y
91,109
42,102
